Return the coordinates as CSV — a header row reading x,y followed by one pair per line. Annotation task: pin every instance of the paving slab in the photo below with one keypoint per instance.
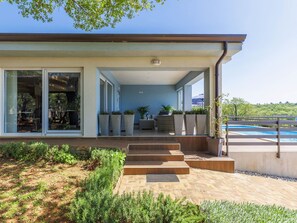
x,y
202,185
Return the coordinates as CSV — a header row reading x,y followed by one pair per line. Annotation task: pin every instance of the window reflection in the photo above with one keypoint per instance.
x,y
23,101
64,101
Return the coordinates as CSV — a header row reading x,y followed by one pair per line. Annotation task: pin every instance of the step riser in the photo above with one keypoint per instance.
x,y
143,171
154,147
155,158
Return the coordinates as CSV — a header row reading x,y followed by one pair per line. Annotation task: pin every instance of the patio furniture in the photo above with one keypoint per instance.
x,y
165,123
146,124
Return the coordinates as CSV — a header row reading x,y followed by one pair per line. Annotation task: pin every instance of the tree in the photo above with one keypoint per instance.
x,y
86,14
237,107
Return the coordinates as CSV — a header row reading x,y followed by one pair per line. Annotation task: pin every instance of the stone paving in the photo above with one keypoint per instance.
x,y
202,185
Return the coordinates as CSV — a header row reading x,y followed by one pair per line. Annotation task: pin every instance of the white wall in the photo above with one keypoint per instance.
x,y
266,162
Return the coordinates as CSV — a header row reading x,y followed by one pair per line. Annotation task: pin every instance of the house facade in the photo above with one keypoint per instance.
x,y
55,85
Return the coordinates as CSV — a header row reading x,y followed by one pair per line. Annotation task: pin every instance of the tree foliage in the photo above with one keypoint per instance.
x,y
240,107
86,14
237,107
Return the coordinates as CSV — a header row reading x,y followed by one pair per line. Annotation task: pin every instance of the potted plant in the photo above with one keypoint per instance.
x,y
143,110
116,123
129,116
104,123
166,110
201,115
215,142
190,122
178,117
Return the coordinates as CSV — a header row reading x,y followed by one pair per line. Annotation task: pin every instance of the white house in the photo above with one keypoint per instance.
x,y
55,85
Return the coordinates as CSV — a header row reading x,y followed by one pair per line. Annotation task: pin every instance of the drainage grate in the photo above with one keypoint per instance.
x,y
156,178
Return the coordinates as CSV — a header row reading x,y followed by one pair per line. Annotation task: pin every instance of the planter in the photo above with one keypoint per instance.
x,y
178,123
200,124
190,123
116,124
129,124
215,146
104,125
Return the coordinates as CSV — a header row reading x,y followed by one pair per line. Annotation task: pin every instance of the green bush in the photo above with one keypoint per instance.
x,y
61,154
143,207
199,110
34,151
92,203
177,112
226,212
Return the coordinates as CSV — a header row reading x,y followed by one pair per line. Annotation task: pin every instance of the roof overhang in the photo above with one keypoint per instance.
x,y
117,45
135,38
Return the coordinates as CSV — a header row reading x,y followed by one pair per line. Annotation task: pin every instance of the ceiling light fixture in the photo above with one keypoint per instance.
x,y
156,62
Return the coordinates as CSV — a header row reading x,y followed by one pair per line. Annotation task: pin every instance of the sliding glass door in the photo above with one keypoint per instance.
x,y
63,101
23,101
41,102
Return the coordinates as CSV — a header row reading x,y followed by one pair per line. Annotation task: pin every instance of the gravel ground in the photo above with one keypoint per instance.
x,y
267,176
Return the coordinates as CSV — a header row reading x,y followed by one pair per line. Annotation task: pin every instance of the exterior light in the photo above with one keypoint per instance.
x,y
156,62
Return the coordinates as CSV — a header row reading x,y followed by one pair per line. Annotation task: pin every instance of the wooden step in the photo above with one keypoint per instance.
x,y
154,146
155,155
156,167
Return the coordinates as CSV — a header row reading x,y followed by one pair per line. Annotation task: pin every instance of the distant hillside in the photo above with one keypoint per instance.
x,y
240,107
289,109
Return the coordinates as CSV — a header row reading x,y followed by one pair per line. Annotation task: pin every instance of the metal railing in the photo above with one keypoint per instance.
x,y
276,129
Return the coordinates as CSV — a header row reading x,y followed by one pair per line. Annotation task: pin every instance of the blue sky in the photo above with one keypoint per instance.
x,y
263,72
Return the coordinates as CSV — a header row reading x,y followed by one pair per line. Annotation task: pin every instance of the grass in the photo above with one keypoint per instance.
x,y
227,212
36,192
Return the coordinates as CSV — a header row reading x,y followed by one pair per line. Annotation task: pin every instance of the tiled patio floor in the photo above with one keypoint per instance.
x,y
202,185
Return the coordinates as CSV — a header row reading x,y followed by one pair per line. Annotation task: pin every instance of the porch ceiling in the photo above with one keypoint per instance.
x,y
149,77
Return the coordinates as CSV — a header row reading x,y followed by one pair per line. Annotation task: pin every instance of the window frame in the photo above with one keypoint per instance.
x,y
106,83
45,131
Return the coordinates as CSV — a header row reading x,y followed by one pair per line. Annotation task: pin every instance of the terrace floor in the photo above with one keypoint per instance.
x,y
202,185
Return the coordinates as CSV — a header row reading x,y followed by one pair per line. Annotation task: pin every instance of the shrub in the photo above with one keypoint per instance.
x,y
92,203
116,113
34,151
189,112
61,154
143,207
225,212
129,112
199,110
177,112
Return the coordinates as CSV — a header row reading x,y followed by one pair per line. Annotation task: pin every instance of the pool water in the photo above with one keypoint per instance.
x,y
263,132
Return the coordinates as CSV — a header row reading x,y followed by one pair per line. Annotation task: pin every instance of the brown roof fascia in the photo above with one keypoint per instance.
x,y
139,38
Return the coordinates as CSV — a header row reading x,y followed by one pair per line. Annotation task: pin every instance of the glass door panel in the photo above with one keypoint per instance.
x,y
23,101
64,101
102,95
109,97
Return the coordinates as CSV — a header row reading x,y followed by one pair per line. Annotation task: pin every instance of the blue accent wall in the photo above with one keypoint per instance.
x,y
133,96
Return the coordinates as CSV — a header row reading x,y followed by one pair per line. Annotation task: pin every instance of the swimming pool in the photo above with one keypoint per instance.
x,y
263,132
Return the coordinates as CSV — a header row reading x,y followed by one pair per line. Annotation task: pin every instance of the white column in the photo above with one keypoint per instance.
x,y
187,97
11,112
209,98
91,104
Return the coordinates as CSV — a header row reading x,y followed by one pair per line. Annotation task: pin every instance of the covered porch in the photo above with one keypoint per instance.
x,y
108,73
